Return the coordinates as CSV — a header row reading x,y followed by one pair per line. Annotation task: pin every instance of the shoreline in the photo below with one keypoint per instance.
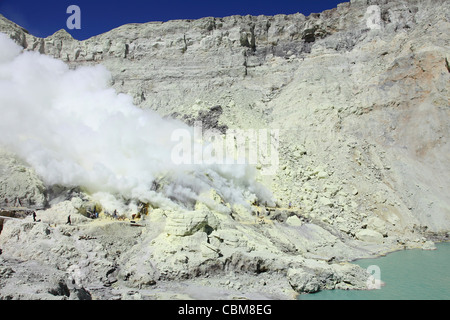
x,y
410,286
232,284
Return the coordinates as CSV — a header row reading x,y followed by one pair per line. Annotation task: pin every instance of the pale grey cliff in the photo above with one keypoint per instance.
x,y
360,94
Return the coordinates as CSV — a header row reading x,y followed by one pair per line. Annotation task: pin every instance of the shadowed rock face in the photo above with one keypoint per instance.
x,y
360,95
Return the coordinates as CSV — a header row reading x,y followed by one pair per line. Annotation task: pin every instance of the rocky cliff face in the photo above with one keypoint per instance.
x,y
360,94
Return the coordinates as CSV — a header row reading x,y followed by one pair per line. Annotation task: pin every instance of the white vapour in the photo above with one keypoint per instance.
x,y
75,130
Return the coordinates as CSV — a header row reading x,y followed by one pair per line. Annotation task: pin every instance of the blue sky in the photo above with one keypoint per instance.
x,y
43,18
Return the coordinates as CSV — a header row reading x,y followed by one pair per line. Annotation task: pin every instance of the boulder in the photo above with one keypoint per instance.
x,y
186,223
294,221
303,281
368,235
377,224
429,245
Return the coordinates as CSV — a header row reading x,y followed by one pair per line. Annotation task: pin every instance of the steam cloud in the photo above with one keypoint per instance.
x,y
75,130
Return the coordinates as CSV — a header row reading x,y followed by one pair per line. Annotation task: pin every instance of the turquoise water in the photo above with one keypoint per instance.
x,y
408,275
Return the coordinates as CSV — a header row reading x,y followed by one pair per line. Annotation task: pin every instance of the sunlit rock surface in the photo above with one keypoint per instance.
x,y
360,95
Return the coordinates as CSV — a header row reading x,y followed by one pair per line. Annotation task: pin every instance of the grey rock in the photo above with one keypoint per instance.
x,y
360,95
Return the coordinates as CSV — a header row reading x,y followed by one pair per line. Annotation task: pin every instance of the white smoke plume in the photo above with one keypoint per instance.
x,y
75,130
